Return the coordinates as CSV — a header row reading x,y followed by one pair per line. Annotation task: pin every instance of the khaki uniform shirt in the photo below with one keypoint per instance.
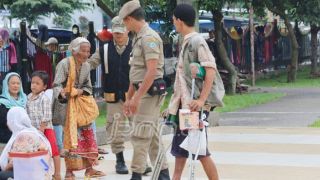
x,y
147,45
194,49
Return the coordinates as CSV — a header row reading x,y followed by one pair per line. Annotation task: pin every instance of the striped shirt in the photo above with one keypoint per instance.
x,y
40,110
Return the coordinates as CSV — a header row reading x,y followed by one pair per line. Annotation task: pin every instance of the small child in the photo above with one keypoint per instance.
x,y
40,112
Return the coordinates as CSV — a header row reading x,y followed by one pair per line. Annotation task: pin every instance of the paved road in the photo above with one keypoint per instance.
x,y
248,153
300,108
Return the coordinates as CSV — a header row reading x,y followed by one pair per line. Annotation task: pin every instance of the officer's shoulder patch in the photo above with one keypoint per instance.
x,y
151,42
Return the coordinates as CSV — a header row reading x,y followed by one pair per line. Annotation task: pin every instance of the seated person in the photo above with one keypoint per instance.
x,y
12,95
25,138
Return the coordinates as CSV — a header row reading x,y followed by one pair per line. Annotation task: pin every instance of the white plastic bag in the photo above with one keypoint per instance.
x,y
195,139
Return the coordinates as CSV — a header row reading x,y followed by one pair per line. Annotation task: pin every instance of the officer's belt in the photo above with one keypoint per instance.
x,y
111,97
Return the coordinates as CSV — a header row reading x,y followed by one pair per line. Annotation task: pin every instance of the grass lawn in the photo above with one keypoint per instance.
x,y
101,120
316,124
236,102
232,103
280,80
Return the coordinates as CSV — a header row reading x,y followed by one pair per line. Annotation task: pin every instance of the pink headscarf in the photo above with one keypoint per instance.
x,y
4,34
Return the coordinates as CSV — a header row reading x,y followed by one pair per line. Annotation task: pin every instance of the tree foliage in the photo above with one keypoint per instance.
x,y
156,11
308,11
30,10
62,21
5,2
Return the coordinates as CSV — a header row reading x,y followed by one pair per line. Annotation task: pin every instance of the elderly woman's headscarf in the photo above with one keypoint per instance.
x,y
18,122
6,99
75,44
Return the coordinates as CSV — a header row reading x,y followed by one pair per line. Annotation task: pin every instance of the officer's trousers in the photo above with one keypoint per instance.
x,y
145,135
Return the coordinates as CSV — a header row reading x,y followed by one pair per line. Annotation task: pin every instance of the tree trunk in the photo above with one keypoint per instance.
x,y
293,66
231,86
105,8
314,50
252,46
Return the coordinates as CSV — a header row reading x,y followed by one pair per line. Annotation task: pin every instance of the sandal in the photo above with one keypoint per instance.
x,y
63,153
94,173
102,151
56,177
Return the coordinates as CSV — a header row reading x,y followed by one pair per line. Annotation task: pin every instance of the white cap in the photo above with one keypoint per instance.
x,y
117,25
51,40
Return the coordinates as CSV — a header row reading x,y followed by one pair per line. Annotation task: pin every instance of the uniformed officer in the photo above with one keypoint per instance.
x,y
114,57
144,101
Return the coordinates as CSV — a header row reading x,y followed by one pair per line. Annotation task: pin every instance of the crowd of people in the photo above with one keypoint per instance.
x,y
134,91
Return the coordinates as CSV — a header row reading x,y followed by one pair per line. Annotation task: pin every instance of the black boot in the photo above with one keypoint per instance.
x,y
164,175
121,167
136,176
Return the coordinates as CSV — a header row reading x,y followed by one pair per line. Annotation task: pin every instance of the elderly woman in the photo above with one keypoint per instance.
x,y
78,141
12,95
25,138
